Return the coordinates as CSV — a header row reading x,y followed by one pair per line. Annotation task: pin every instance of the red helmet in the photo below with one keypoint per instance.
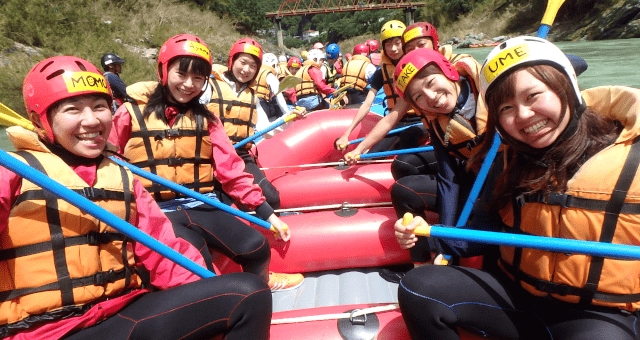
x,y
294,62
373,45
415,61
361,49
249,46
60,78
348,56
180,45
418,30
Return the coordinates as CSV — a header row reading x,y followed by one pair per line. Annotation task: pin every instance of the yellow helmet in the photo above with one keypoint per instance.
x,y
304,55
391,29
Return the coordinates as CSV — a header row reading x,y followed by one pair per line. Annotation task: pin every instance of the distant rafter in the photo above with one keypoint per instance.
x,y
302,7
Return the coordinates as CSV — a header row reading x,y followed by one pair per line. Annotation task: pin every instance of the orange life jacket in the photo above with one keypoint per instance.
x,y
237,113
307,86
263,90
55,260
181,153
283,70
587,209
354,72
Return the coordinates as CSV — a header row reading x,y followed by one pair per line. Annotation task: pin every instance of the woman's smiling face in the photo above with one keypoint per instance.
x,y
82,124
183,86
433,93
534,115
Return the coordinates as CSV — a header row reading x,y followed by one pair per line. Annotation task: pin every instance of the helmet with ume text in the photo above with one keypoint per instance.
x,y
58,78
413,62
392,29
524,51
181,45
419,30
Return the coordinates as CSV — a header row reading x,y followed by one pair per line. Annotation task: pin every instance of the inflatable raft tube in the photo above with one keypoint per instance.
x,y
358,184
335,239
310,140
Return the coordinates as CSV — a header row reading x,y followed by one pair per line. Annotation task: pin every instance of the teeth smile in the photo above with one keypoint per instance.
x,y
88,135
440,102
536,127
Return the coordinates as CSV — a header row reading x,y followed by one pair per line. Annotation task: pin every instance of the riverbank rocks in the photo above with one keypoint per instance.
x,y
620,23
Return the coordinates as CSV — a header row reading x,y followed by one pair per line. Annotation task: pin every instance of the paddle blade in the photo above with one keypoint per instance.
x,y
287,83
5,110
550,13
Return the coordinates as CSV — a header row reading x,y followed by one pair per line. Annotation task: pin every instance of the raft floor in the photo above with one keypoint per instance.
x,y
337,287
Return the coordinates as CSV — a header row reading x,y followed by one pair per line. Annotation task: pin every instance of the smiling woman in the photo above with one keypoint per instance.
x,y
569,170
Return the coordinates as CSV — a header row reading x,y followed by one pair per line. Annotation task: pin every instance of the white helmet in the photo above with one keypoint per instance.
x,y
315,55
524,51
270,59
282,59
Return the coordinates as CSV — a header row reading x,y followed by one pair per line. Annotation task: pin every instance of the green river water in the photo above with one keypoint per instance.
x,y
611,62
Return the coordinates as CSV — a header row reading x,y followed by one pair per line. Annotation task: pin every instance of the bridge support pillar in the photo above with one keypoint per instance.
x,y
409,15
276,21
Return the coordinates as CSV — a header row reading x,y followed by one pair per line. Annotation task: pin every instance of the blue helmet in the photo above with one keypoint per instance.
x,y
333,50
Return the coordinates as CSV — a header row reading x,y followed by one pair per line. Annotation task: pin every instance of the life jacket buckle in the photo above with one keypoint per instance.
x,y
558,199
93,193
175,161
520,200
92,238
100,278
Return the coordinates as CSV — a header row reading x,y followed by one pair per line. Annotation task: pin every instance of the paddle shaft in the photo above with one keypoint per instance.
x,y
265,130
395,152
355,141
98,212
190,193
560,245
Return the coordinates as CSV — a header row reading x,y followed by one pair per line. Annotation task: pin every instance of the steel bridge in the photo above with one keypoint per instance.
x,y
303,7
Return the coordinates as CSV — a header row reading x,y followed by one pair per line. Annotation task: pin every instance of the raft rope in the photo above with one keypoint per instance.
x,y
337,316
338,163
343,206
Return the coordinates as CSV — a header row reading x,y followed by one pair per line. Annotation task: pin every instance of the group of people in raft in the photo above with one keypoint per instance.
x,y
567,169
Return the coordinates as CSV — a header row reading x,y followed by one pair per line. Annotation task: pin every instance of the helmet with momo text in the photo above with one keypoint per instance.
x,y
413,62
58,78
181,45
